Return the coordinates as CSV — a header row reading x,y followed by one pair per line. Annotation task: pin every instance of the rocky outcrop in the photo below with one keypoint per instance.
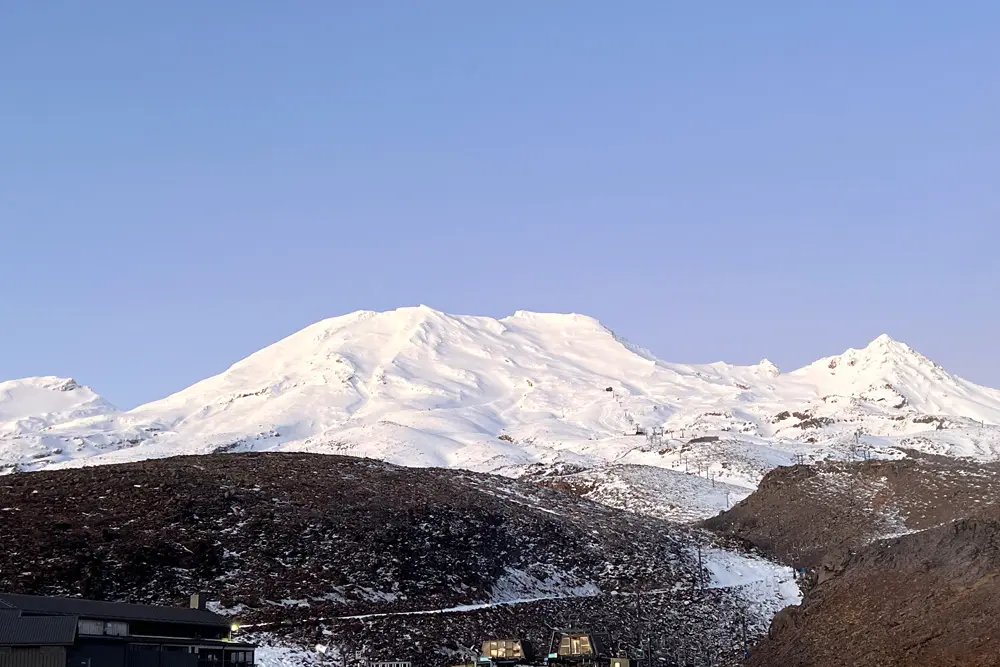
x,y
902,562
927,599
801,514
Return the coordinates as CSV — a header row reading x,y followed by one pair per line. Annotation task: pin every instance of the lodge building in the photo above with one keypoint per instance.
x,y
70,632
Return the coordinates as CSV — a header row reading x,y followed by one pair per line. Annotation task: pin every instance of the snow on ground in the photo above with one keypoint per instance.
x,y
655,491
542,581
463,608
769,587
287,656
419,387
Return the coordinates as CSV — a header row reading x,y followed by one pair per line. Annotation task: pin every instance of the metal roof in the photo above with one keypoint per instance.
x,y
17,630
114,611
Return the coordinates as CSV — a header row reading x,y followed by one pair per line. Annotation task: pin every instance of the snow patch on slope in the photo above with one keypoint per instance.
x,y
269,655
770,587
539,582
654,491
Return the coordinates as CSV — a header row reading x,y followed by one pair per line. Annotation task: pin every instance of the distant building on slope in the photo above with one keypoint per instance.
x,y
70,632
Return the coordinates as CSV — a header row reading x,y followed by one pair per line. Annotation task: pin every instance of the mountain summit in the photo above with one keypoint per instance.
x,y
889,365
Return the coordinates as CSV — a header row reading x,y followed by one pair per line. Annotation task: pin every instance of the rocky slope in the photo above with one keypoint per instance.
x,y
649,490
927,599
682,627
298,545
903,561
802,514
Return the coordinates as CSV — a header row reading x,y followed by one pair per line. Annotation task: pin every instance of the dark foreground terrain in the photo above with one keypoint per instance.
x,y
679,628
802,514
296,545
928,596
924,600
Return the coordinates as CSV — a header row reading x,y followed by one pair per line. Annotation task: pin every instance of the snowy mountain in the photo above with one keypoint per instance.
x,y
35,404
530,393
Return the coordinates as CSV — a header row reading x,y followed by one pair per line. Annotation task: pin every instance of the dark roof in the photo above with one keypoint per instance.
x,y
114,611
17,630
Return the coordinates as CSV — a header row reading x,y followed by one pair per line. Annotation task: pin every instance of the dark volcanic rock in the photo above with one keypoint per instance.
x,y
678,628
294,542
800,514
929,599
905,557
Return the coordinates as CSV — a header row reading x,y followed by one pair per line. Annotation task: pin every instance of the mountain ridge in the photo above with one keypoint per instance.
x,y
416,386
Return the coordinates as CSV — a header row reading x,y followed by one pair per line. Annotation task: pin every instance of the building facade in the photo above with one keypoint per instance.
x,y
69,632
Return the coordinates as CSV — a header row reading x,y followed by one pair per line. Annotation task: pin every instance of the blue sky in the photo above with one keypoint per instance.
x,y
183,183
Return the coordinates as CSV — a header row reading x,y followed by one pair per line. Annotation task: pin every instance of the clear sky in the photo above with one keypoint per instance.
x,y
184,182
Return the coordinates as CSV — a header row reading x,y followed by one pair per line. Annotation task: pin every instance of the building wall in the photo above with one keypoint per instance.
x,y
108,654
149,652
97,654
46,656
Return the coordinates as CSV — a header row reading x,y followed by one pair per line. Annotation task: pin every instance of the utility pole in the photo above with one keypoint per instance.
x,y
743,622
701,583
638,619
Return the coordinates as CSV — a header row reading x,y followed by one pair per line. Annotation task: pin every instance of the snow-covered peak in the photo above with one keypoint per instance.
x,y
364,365
885,340
885,347
34,403
878,358
891,372
768,368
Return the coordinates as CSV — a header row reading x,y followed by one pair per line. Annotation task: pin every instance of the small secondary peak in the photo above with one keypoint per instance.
x,y
48,382
885,341
769,368
884,351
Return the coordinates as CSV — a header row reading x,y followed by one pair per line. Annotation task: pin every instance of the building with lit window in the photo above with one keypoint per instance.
x,y
71,632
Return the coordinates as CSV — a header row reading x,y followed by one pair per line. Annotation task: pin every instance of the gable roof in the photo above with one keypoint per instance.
x,y
113,611
17,630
